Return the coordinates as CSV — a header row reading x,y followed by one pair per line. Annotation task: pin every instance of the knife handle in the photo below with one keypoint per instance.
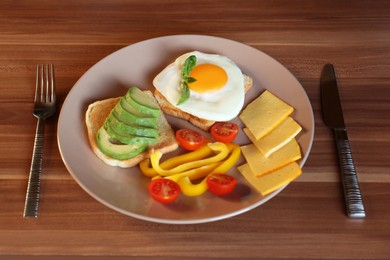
x,y
352,195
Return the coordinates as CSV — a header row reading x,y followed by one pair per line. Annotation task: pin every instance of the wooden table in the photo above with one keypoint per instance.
x,y
306,220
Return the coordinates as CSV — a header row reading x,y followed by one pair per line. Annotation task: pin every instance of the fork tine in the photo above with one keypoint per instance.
x,y
39,88
41,83
46,71
52,83
36,85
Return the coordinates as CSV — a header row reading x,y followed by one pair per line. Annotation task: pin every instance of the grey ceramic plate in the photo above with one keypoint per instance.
x,y
124,190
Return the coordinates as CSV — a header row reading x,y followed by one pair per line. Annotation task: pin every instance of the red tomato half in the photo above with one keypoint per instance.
x,y
189,139
224,132
164,190
220,183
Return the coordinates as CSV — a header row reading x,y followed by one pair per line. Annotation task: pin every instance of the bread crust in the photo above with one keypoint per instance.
x,y
201,123
95,117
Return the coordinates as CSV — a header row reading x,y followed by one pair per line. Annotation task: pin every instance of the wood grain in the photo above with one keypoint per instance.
x,y
305,221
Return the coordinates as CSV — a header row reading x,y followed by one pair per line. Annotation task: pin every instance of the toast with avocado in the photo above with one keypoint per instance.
x,y
123,131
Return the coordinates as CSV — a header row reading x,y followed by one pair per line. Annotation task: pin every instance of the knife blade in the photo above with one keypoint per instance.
x,y
333,117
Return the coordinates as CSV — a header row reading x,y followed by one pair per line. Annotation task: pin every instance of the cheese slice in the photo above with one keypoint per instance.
x,y
277,138
261,165
273,181
263,114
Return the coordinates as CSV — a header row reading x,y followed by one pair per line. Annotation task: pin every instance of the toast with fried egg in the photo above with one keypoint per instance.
x,y
201,123
95,117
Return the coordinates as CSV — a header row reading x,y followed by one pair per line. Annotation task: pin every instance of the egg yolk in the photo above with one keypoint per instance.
x,y
209,78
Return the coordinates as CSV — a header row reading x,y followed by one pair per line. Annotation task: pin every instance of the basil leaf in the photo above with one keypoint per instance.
x,y
188,65
185,94
191,80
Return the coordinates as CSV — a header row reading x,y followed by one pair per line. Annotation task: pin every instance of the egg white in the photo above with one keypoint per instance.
x,y
221,105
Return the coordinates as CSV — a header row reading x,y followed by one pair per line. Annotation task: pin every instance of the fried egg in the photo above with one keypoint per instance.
x,y
218,92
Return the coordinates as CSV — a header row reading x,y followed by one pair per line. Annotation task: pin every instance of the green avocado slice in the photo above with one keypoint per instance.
x,y
129,115
115,150
142,102
130,129
128,139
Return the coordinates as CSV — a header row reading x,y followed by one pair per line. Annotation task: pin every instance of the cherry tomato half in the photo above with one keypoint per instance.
x,y
220,183
189,139
164,190
224,132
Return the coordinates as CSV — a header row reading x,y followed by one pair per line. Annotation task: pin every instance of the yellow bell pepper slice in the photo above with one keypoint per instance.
x,y
220,148
145,168
233,158
195,173
198,154
190,189
223,167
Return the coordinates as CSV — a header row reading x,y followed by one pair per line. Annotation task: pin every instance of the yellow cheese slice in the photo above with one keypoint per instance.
x,y
263,114
272,181
277,138
261,165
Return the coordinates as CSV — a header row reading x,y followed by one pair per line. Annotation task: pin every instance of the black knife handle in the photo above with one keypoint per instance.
x,y
352,195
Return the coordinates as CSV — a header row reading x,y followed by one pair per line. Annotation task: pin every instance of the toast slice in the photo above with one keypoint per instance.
x,y
203,124
95,117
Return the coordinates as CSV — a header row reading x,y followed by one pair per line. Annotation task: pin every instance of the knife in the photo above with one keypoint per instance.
x,y
333,117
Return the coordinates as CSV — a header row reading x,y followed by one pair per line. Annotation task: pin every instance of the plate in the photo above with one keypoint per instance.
x,y
125,190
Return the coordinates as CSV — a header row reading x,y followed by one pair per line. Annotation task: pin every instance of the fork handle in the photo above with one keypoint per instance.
x,y
353,198
34,180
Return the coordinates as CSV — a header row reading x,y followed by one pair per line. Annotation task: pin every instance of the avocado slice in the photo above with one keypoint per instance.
x,y
130,129
115,150
128,139
127,114
142,102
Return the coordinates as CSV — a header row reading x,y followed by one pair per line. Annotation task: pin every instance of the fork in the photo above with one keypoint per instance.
x,y
44,107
